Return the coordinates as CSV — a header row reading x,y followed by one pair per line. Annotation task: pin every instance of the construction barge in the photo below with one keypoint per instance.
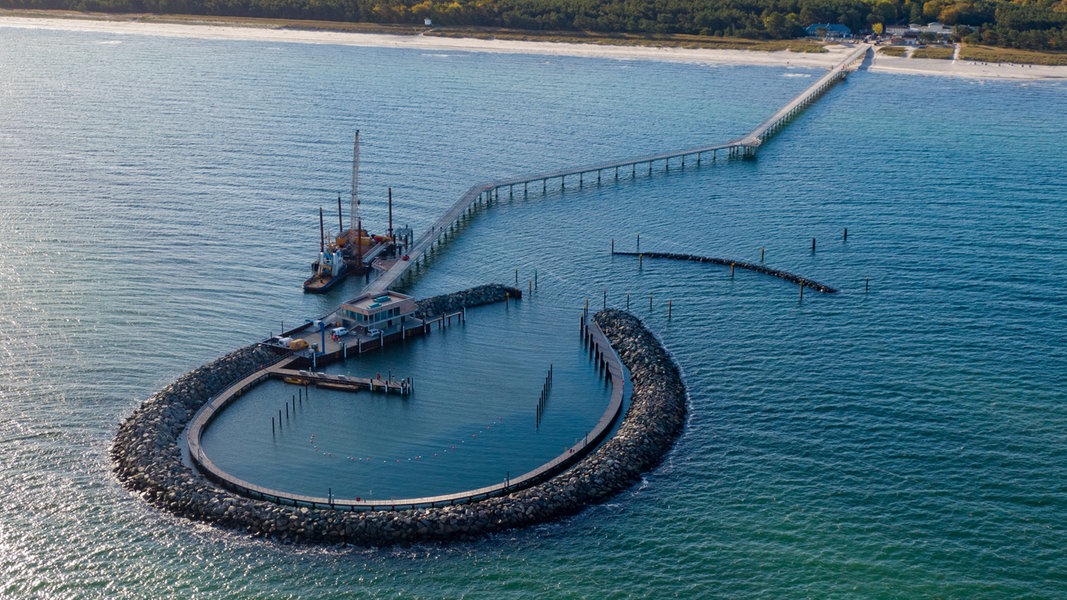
x,y
352,250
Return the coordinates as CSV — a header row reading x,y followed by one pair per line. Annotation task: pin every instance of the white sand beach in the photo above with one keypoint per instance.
x,y
964,68
835,53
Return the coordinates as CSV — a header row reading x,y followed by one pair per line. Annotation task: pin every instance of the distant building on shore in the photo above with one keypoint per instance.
x,y
829,30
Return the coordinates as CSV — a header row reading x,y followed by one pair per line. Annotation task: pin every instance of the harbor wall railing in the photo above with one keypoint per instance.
x,y
607,363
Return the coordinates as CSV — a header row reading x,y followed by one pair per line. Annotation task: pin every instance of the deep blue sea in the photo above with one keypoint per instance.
x,y
906,438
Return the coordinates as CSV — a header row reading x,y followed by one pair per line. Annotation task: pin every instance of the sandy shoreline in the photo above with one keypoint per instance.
x,y
836,53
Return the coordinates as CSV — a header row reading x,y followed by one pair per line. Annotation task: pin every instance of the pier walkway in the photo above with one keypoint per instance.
x,y
485,193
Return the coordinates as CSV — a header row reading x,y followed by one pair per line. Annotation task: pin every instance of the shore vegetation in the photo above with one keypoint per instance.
x,y
938,52
992,54
1022,24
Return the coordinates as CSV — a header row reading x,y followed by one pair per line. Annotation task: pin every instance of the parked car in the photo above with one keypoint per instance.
x,y
339,331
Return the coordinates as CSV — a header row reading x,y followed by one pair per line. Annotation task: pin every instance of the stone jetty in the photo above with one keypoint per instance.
x,y
447,304
148,460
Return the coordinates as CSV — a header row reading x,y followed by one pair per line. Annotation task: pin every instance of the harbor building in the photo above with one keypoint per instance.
x,y
378,311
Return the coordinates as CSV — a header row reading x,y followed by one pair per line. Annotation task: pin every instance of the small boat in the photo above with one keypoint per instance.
x,y
296,380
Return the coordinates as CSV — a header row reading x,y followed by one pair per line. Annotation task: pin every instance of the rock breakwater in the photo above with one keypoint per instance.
x,y
148,459
740,264
476,296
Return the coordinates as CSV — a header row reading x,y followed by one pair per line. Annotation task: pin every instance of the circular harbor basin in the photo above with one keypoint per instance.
x,y
472,420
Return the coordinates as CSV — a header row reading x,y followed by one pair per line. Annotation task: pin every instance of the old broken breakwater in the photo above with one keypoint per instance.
x,y
740,264
148,459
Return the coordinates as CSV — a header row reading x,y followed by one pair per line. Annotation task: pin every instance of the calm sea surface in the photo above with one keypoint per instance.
x,y
158,205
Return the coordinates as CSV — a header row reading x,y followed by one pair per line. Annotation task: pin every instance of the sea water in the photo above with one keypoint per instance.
x,y
904,438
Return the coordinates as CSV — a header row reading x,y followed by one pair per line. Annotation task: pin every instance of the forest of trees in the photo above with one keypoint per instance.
x,y
1028,24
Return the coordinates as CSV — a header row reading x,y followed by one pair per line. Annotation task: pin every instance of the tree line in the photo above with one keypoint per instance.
x,y
1029,24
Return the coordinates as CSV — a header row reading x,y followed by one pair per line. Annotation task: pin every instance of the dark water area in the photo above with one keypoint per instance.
x,y
158,208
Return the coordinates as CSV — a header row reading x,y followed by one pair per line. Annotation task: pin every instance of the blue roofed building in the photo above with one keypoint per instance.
x,y
830,30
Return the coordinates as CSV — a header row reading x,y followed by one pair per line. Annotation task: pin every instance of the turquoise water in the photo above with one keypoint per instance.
x,y
159,198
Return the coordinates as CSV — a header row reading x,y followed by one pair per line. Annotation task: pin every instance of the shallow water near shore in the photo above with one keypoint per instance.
x,y
159,204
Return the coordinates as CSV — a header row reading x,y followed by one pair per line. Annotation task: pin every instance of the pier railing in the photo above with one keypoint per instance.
x,y
485,193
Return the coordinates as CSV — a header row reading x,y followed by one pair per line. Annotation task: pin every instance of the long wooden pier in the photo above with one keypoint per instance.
x,y
486,193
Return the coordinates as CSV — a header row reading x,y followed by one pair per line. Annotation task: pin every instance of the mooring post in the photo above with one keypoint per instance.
x,y
731,270
640,260
867,285
613,245
761,254
668,310
813,245
844,236
272,425
639,242
605,299
516,278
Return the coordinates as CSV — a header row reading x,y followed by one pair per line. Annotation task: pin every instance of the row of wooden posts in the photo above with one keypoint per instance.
x,y
543,399
297,399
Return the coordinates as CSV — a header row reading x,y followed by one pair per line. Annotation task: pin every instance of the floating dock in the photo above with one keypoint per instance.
x,y
344,383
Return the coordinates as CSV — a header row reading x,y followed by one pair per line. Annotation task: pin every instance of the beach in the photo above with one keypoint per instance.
x,y
835,53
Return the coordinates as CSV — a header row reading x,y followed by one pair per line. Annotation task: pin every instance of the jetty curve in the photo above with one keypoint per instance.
x,y
149,461
148,458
